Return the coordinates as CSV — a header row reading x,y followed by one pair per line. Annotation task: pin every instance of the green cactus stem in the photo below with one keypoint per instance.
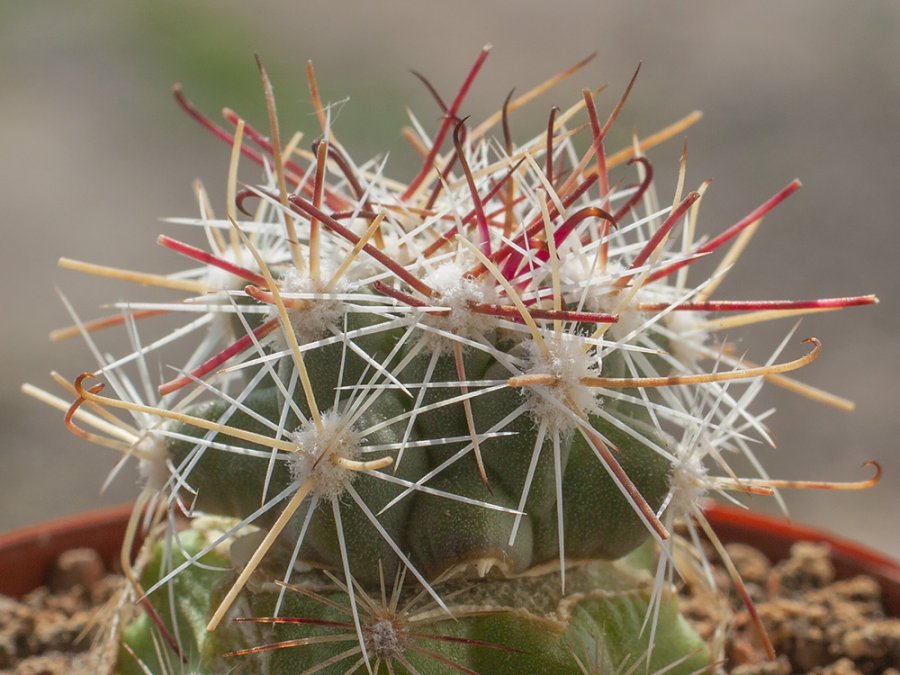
x,y
500,625
495,385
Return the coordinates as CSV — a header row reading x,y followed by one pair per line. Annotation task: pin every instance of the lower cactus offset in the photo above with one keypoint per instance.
x,y
521,625
489,385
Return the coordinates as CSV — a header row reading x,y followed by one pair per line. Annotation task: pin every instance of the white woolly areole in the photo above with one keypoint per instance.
x,y
386,638
222,280
611,301
568,363
153,467
319,453
602,295
688,336
311,322
455,292
688,485
396,244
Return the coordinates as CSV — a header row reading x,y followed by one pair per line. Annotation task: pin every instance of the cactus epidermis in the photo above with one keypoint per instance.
x,y
499,371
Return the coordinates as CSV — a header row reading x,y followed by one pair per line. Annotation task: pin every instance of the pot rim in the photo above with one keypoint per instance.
x,y
39,545
27,554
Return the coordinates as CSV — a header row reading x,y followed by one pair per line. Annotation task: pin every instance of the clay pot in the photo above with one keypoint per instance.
x,y
27,555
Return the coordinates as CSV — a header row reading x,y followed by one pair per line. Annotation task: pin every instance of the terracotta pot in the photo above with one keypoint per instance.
x,y
27,555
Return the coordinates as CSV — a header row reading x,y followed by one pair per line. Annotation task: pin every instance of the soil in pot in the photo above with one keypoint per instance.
x,y
828,604
816,622
52,628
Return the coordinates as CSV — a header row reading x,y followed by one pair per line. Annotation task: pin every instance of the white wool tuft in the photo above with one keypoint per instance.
x,y
568,363
687,485
153,466
311,322
319,452
455,292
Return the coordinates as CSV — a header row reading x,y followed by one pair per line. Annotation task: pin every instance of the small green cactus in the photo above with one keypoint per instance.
x,y
444,426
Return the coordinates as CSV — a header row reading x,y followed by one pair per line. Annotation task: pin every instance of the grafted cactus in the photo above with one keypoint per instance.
x,y
447,425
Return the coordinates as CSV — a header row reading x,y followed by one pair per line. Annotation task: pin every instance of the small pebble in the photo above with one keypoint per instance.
x,y
841,667
874,640
752,563
809,566
78,567
779,667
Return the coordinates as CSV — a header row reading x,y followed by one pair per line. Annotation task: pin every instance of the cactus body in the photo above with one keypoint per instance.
x,y
439,533
490,385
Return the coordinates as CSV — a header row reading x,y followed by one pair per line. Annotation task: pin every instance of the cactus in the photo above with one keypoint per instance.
x,y
449,425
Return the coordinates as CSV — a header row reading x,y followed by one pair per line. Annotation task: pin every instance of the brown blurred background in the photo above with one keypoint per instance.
x,y
93,151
